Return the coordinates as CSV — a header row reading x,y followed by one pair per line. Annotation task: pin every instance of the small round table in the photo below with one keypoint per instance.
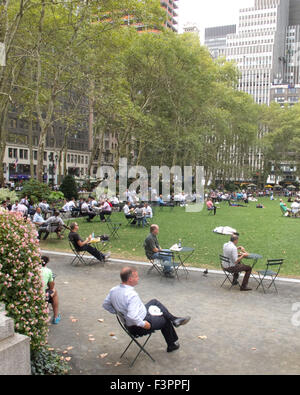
x,y
255,258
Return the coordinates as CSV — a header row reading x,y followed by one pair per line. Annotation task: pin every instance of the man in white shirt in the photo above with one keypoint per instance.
x,y
54,224
295,207
38,218
85,210
142,319
129,213
19,208
105,210
148,211
230,251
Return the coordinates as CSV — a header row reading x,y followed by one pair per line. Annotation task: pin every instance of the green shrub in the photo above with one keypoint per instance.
x,y
47,362
36,190
6,193
69,187
56,196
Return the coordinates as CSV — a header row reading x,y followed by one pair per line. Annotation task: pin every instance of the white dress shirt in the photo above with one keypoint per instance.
x,y
37,218
230,251
126,209
124,299
85,207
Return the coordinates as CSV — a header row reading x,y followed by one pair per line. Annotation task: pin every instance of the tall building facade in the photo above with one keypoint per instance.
x,y
266,49
258,47
171,7
215,39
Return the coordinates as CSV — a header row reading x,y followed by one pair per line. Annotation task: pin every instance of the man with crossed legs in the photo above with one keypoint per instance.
x,y
142,319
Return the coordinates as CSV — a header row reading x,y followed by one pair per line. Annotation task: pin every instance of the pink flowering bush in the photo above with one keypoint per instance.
x,y
20,281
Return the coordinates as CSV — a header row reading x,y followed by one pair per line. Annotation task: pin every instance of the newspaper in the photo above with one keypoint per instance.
x,y
175,247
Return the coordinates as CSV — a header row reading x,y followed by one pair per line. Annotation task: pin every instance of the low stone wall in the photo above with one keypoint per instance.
x,y
14,348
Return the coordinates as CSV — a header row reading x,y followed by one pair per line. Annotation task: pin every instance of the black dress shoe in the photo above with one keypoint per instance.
x,y
169,274
180,321
235,282
245,289
173,347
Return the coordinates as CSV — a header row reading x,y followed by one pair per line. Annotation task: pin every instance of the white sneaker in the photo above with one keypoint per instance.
x,y
106,256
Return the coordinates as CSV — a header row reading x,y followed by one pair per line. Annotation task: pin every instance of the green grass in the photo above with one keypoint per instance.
x,y
263,231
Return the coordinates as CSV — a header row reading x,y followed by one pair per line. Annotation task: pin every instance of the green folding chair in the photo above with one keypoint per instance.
x,y
274,264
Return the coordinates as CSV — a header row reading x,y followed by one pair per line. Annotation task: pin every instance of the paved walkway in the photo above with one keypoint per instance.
x,y
246,332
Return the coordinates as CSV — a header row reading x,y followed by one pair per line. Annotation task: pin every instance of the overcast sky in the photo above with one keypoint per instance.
x,y
209,13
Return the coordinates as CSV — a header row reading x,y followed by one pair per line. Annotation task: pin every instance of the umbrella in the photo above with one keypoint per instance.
x,y
251,185
268,186
291,187
277,186
224,230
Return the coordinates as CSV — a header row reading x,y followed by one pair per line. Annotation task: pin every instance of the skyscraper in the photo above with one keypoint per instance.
x,y
170,6
215,39
258,47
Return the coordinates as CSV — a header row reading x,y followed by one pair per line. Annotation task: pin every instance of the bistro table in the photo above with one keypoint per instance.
x,y
255,258
183,254
98,243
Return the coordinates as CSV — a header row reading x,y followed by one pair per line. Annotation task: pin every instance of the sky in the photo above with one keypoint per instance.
x,y
209,13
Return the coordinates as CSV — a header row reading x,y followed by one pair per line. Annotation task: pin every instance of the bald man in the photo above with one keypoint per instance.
x,y
142,319
154,251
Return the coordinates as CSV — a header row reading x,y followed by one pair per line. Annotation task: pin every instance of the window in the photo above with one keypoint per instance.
x,y
34,155
13,123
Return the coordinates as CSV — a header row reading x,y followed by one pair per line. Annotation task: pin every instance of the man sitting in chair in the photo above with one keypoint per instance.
x,y
142,319
153,251
286,211
129,213
81,245
230,251
54,224
211,206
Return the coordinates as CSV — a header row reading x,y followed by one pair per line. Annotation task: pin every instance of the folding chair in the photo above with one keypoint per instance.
x,y
228,275
130,221
79,256
121,321
271,263
113,228
210,211
158,264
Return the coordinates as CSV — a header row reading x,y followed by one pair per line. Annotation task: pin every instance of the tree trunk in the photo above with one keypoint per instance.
x,y
30,143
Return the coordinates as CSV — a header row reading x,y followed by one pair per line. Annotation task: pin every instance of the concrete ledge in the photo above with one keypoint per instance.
x,y
6,327
15,355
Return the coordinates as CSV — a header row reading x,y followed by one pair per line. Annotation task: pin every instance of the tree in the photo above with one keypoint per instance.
x,y
69,188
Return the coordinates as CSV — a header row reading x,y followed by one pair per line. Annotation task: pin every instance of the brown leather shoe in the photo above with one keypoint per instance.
x,y
245,289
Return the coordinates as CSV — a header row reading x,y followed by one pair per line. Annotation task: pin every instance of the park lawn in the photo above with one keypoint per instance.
x,y
263,231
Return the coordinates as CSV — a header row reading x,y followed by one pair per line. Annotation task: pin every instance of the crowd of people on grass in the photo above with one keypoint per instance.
x,y
139,318
293,210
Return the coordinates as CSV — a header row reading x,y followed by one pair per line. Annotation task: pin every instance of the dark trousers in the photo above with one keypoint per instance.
x,y
240,267
44,230
163,323
133,217
103,213
93,251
